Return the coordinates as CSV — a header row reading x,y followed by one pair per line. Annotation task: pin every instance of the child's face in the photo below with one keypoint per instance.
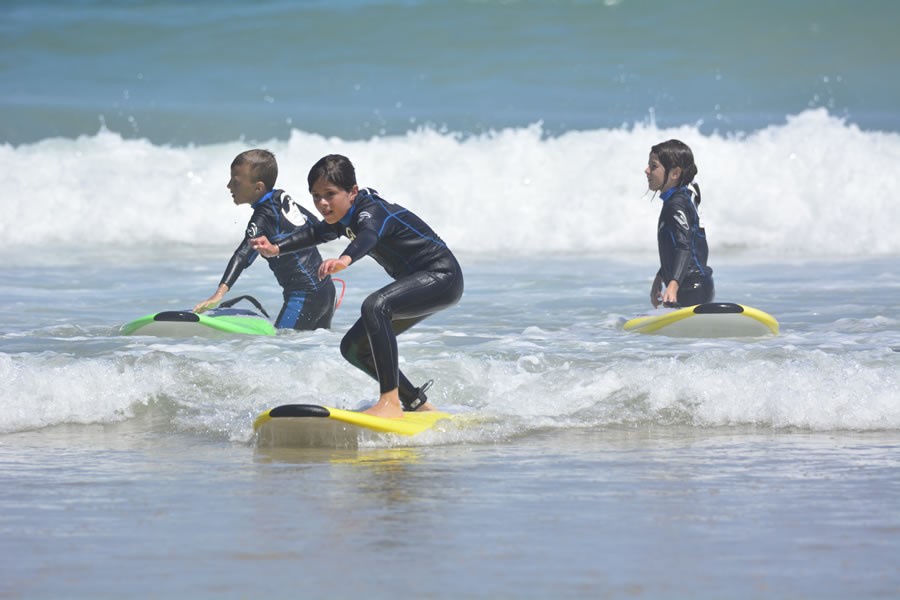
x,y
242,187
331,201
656,175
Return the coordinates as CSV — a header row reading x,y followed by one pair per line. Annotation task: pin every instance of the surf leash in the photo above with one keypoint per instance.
x,y
250,299
343,289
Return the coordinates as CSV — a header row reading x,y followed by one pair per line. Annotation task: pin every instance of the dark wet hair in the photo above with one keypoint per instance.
x,y
263,166
675,153
336,169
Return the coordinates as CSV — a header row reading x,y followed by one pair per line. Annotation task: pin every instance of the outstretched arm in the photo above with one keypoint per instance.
x,y
213,300
243,256
331,266
265,247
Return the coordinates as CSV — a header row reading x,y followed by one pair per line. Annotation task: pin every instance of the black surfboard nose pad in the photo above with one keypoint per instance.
x,y
299,410
177,316
718,308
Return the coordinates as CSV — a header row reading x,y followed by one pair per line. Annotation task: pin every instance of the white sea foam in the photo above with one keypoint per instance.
x,y
813,187
534,341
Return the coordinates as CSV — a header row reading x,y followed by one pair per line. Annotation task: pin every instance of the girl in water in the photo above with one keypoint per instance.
x,y
684,278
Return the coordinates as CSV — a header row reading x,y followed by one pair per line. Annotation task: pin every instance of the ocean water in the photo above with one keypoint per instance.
x,y
600,463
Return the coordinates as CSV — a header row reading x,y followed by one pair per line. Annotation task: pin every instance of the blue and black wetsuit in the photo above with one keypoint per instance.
x,y
308,302
683,251
427,279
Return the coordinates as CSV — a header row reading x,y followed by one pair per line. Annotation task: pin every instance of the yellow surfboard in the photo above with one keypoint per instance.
x,y
311,425
712,320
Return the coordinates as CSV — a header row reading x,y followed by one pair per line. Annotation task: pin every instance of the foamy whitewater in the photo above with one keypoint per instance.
x,y
596,463
815,187
157,225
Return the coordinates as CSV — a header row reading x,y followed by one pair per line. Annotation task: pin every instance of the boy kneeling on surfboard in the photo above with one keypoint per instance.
x,y
427,276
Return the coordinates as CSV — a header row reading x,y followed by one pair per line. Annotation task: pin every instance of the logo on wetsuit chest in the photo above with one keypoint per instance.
x,y
291,211
362,217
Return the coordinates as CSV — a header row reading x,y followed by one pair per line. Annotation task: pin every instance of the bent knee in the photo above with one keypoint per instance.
x,y
374,304
349,347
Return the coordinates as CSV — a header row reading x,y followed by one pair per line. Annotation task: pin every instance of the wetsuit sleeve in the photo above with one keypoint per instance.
x,y
365,240
243,256
306,237
680,226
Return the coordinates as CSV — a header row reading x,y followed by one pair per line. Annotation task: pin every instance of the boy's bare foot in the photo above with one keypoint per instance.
x,y
388,406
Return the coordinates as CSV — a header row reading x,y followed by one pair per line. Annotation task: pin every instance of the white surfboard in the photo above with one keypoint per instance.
x,y
711,320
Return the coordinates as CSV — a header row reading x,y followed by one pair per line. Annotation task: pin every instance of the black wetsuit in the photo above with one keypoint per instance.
x,y
683,251
308,302
427,279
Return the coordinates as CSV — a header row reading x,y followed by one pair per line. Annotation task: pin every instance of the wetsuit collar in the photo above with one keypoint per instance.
x,y
669,192
345,221
263,199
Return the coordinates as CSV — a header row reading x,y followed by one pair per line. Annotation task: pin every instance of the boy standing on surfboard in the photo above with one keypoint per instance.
x,y
427,276
308,298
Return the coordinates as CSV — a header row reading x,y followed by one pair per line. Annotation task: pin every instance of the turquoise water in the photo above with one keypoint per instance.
x,y
179,73
605,464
